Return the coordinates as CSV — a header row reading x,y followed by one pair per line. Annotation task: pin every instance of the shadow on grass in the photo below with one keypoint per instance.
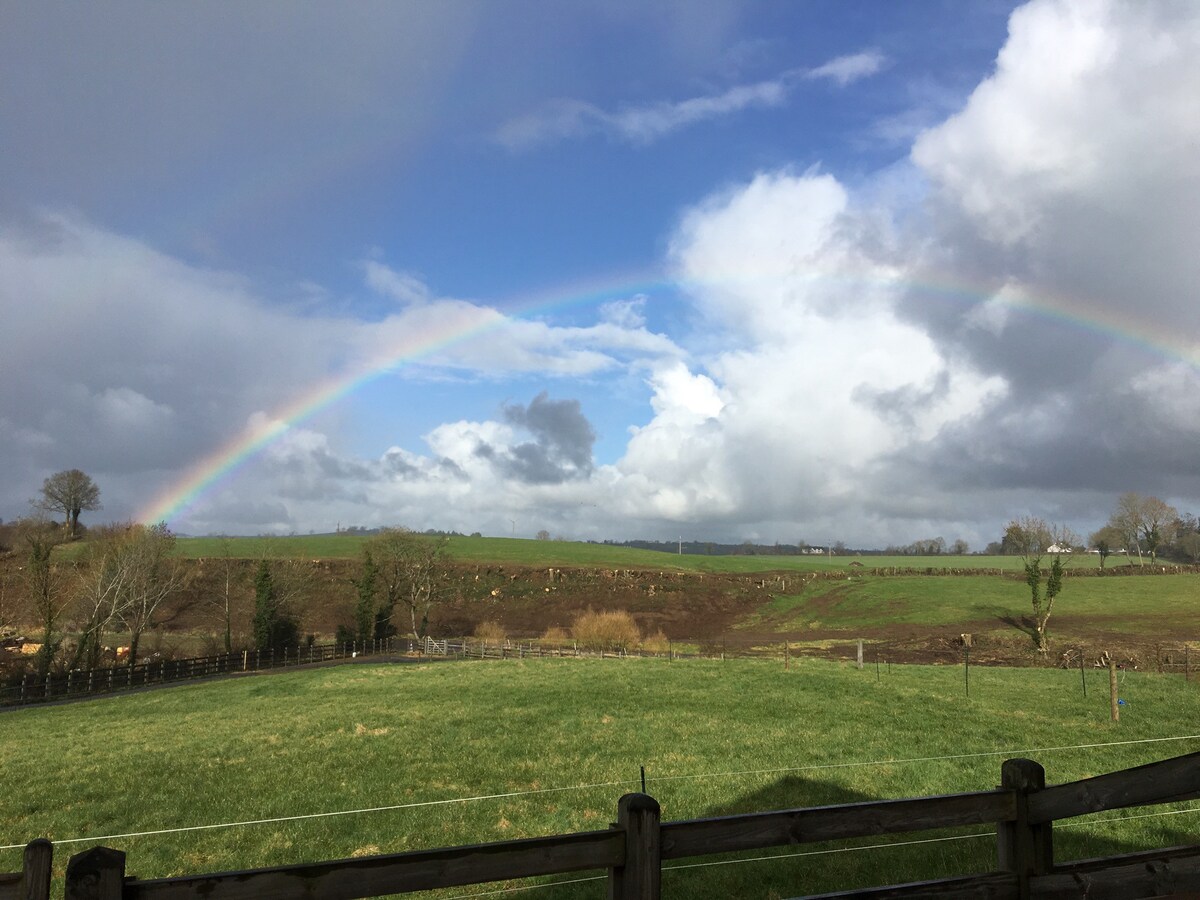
x,y
1024,624
841,865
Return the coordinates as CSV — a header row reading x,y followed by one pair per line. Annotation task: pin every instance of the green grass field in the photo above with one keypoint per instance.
x,y
1143,606
715,738
517,551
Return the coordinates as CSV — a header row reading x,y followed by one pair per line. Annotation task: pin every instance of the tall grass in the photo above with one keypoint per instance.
x,y
562,740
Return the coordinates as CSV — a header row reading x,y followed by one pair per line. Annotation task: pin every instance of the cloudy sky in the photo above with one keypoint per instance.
x,y
779,271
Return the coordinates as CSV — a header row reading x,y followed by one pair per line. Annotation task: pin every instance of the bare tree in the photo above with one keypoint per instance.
x,y
103,573
227,585
69,492
1146,521
409,570
154,576
46,585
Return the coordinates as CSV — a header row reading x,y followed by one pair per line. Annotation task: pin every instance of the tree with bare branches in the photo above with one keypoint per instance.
x,y
46,584
69,492
1145,521
409,570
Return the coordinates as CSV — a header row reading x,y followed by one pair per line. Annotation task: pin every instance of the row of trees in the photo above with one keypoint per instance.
x,y
1140,525
120,579
1151,526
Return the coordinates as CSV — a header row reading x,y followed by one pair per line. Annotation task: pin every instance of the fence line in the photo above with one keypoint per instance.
x,y
86,682
1023,810
31,689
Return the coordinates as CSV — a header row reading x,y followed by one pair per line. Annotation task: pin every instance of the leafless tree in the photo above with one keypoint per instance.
x,y
155,576
1145,521
46,585
69,492
409,572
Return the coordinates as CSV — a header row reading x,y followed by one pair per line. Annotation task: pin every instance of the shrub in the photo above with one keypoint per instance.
x,y
608,630
556,636
657,642
491,632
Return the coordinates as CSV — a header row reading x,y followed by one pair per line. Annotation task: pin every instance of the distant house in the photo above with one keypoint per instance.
x,y
1055,548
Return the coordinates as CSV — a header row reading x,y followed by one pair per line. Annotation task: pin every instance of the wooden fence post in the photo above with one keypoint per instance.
x,y
641,876
1114,706
96,874
1021,847
35,875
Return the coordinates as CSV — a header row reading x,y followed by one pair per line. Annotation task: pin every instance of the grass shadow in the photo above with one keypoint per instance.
x,y
860,863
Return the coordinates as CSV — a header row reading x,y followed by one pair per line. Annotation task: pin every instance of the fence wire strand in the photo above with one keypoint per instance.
x,y
774,856
603,784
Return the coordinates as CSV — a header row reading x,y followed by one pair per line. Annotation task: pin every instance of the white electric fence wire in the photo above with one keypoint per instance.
x,y
1115,819
734,862
603,784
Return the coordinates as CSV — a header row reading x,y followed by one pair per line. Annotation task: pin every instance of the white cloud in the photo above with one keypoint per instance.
x,y
844,70
136,364
645,123
562,119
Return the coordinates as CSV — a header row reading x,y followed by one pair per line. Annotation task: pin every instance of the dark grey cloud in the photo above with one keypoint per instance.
x,y
561,448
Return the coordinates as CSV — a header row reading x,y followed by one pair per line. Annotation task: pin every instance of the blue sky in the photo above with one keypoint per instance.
x,y
868,272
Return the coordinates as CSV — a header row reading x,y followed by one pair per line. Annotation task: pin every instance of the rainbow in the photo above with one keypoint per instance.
x,y
212,469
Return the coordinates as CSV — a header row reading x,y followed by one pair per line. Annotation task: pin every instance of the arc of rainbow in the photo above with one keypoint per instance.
x,y
211,469
256,436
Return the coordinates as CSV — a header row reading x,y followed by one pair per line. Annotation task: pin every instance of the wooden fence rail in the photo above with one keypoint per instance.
x,y
633,850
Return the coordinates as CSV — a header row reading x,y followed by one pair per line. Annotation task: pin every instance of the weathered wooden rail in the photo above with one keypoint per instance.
x,y
1023,810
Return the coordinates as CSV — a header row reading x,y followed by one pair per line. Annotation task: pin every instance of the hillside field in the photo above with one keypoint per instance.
x,y
518,551
567,738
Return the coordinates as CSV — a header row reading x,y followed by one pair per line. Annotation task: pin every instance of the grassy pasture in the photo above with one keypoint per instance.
x,y
1145,606
518,551
715,738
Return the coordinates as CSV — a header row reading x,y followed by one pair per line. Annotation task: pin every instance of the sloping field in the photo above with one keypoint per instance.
x,y
461,752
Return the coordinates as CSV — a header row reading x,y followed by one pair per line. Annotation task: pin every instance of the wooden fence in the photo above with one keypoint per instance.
x,y
84,682
1023,810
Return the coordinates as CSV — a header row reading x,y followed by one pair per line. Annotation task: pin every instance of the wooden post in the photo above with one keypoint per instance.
x,y
641,876
787,655
967,668
860,653
1082,674
1186,672
1114,707
35,875
96,874
1022,848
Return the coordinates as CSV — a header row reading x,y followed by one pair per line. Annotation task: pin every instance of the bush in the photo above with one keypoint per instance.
x,y
657,642
556,637
608,630
491,633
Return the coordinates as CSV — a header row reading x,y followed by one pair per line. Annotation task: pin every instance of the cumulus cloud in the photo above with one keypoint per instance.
x,y
1007,326
134,364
